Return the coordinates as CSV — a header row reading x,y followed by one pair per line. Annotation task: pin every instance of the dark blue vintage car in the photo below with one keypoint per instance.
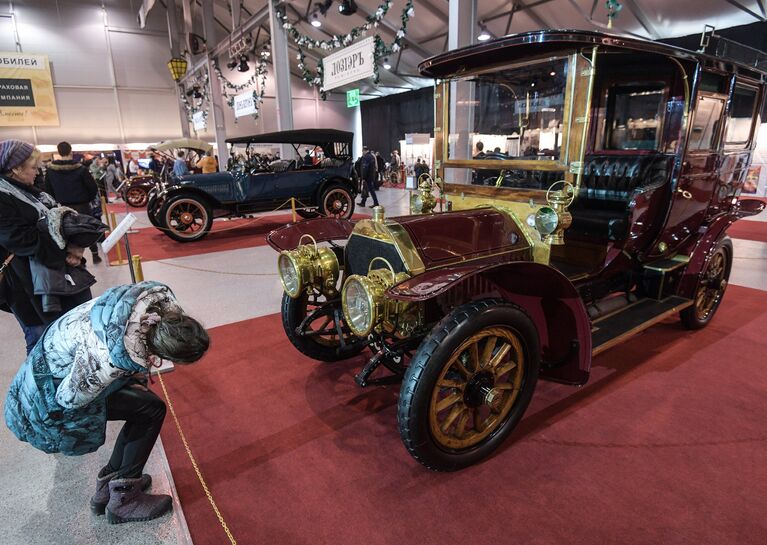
x,y
184,207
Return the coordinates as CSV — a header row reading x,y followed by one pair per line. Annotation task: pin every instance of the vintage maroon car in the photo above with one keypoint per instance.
x,y
615,171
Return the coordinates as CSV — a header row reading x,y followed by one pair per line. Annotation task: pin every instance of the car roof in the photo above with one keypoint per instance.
x,y
517,47
300,136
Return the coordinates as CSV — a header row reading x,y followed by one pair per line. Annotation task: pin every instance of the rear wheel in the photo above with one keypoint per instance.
x,y
136,196
337,202
153,207
469,384
319,339
186,218
711,288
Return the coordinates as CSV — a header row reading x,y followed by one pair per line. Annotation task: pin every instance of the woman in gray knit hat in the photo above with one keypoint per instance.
x,y
30,231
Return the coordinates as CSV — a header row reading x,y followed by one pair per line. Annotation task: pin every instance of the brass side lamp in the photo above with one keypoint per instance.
x,y
559,200
424,201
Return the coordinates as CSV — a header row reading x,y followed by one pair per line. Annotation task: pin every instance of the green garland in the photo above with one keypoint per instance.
x,y
190,107
314,78
259,76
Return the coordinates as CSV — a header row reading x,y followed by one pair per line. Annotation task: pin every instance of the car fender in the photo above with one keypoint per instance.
x,y
320,229
334,179
701,252
546,295
175,190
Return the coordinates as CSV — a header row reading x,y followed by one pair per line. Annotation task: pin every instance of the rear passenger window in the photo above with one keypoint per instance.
x,y
634,118
741,116
705,123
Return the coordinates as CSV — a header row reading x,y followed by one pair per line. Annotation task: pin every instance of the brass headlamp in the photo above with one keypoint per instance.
x,y
424,201
307,267
559,200
364,304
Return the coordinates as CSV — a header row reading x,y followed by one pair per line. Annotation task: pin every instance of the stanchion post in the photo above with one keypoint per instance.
x,y
105,212
139,272
120,260
293,208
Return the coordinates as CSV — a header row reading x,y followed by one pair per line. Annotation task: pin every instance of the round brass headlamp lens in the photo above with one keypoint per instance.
x,y
359,307
290,276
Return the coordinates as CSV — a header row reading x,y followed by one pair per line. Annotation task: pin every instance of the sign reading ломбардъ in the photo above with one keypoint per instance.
x,y
244,104
351,64
26,91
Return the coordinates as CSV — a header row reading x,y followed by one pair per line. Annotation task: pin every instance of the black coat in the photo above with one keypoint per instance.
x,y
69,182
19,234
369,167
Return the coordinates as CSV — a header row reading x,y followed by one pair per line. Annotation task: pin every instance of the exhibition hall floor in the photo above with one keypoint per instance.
x,y
664,445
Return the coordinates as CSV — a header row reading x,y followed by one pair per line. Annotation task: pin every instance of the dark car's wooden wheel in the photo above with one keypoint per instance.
x,y
136,196
153,208
320,339
337,202
186,218
469,384
711,288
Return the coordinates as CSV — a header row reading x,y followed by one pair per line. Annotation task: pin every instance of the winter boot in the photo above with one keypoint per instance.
x,y
101,497
127,502
96,258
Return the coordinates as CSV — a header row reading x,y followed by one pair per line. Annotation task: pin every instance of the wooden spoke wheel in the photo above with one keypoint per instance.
x,y
468,384
319,338
337,202
186,218
711,288
477,388
136,196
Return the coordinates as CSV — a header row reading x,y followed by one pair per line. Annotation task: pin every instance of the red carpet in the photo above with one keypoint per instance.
x,y
665,444
151,244
749,230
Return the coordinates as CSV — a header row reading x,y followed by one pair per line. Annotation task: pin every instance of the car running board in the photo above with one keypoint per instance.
x,y
615,328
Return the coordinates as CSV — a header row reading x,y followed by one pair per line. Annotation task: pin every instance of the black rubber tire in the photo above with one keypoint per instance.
x,y
293,313
426,366
341,192
173,201
307,214
690,317
153,207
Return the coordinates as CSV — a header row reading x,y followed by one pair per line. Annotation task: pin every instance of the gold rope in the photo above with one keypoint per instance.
x,y
194,464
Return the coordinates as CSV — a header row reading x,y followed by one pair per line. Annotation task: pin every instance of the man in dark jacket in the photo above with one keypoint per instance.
x,y
70,183
369,175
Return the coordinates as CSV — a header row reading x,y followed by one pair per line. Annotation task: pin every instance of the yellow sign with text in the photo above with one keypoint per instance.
x,y
26,91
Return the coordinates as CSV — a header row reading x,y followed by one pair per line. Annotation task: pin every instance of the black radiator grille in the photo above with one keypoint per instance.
x,y
361,250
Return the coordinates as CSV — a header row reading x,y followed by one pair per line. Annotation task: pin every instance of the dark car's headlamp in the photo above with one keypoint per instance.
x,y
307,267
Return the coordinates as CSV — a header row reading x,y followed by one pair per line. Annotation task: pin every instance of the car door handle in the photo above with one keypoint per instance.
x,y
684,193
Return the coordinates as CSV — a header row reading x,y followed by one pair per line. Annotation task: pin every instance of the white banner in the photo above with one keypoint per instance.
x,y
351,64
198,120
244,104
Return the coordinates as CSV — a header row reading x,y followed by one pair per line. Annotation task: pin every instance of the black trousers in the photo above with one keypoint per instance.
x,y
143,412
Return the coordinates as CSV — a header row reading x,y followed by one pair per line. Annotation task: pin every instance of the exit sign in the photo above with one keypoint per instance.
x,y
352,98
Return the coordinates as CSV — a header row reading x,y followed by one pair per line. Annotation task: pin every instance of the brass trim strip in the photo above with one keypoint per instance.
x,y
638,329
616,311
525,164
679,263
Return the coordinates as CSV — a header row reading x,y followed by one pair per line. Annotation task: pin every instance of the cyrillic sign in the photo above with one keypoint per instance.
x,y
351,64
26,91
244,104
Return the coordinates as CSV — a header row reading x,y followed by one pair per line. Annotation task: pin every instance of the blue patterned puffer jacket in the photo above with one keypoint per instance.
x,y
57,399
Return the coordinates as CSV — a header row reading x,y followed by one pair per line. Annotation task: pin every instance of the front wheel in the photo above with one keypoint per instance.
x,y
186,218
469,384
319,339
153,207
711,286
337,202
136,197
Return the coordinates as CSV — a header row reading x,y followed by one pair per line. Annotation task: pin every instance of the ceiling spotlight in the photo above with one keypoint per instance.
x,y
347,7
386,64
316,23
243,67
484,34
232,64
323,6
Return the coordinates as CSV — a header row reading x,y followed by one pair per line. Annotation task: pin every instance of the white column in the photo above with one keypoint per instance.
x,y
281,68
462,29
174,52
216,102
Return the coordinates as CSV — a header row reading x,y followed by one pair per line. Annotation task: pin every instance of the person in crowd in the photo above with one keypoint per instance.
x,y
154,165
132,167
90,367
480,150
308,158
394,166
369,175
381,167
70,183
179,165
420,168
113,176
206,163
98,172
360,181
45,277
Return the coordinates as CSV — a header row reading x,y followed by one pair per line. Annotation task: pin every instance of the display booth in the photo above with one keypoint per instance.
x,y
415,146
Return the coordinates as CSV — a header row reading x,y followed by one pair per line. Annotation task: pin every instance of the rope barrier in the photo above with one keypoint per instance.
x,y
194,464
198,269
